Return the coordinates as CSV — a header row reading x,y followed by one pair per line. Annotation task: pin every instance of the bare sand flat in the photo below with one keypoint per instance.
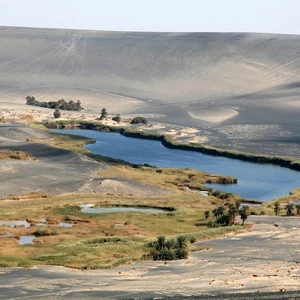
x,y
202,80
264,260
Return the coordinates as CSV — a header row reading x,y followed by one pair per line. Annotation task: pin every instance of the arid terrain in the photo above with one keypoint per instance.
x,y
239,90
229,90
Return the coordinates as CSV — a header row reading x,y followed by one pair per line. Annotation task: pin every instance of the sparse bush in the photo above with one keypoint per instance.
x,y
181,253
206,214
276,208
289,208
244,213
192,239
117,118
41,232
104,114
139,120
56,113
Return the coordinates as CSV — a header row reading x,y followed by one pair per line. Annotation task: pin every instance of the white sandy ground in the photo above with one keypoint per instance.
x,y
26,113
214,115
267,258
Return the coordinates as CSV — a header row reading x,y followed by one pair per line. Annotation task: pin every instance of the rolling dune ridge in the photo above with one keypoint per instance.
x,y
194,79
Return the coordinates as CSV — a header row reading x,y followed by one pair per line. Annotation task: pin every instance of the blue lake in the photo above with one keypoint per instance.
x,y
255,181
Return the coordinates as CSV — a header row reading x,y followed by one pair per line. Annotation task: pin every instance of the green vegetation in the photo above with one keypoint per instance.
x,y
117,118
276,208
104,114
207,213
289,208
139,120
60,104
227,217
56,113
244,213
163,249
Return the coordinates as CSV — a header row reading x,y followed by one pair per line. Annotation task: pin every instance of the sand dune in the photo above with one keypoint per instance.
x,y
214,114
178,75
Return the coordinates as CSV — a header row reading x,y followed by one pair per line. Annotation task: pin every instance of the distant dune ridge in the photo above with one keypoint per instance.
x,y
205,80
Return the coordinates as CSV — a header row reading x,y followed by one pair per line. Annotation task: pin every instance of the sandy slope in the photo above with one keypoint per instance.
x,y
54,170
204,80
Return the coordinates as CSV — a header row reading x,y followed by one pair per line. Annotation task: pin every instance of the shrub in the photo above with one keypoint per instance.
x,y
41,232
181,253
56,113
192,239
164,255
117,118
104,114
139,120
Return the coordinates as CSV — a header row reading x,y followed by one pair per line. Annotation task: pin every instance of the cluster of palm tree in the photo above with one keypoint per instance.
x,y
289,209
163,249
227,217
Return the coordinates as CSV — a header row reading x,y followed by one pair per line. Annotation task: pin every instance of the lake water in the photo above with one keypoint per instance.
x,y
102,210
26,239
255,181
15,223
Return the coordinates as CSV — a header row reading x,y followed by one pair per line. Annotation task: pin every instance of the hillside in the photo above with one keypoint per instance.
x,y
241,89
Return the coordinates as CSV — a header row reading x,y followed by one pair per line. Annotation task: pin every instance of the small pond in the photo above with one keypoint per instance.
x,y
6,235
86,208
15,223
26,239
64,224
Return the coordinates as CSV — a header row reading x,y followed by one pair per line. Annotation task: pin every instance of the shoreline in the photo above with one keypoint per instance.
x,y
169,142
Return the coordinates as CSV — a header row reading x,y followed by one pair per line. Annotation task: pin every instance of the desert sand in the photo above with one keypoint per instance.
x,y
204,80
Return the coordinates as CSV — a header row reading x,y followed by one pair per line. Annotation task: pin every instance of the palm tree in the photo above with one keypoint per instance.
x,y
181,242
232,211
244,213
276,208
161,242
289,209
